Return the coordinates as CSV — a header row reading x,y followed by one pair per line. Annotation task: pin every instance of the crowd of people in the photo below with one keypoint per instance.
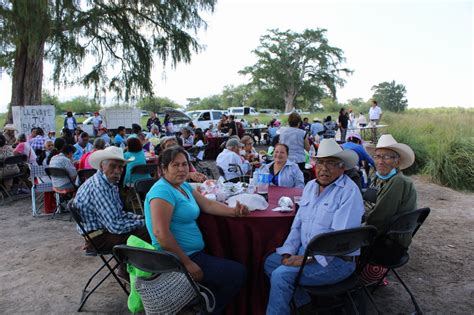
x,y
331,201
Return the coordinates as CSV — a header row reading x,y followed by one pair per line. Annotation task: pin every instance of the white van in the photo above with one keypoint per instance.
x,y
242,111
204,118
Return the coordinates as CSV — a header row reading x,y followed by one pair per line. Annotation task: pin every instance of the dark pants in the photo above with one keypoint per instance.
x,y
223,277
107,241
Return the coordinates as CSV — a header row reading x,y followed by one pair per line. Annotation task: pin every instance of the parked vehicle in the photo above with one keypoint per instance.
x,y
242,111
204,118
299,111
112,118
177,117
269,112
144,113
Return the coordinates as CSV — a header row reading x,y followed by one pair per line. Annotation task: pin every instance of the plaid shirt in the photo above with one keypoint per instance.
x,y
101,208
38,143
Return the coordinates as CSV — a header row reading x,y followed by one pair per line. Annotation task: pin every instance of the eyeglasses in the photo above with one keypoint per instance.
x,y
385,157
330,165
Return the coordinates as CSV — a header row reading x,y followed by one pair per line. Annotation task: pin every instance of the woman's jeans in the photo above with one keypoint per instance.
x,y
282,280
223,277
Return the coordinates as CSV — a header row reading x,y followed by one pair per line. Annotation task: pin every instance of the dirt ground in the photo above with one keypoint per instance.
x,y
43,269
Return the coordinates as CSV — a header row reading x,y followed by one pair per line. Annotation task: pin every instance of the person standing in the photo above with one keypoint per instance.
x,y
375,113
343,123
96,123
9,134
153,120
296,140
70,122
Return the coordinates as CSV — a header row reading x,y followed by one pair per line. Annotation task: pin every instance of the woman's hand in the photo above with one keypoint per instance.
x,y
194,270
197,177
241,210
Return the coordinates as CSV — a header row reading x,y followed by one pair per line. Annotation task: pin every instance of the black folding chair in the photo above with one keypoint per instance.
x,y
106,261
158,262
85,174
388,253
11,160
142,187
62,195
150,169
337,243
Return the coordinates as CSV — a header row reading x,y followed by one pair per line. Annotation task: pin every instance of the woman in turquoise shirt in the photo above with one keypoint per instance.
x,y
171,210
135,151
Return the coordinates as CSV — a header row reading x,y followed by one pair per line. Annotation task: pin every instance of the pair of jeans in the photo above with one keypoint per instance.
x,y
282,280
223,277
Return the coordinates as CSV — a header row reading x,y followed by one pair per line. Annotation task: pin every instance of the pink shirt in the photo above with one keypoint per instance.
x,y
25,148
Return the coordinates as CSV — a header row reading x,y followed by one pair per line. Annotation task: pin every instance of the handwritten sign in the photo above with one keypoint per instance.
x,y
33,116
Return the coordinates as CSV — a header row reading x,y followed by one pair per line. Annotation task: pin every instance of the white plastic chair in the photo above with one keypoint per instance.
x,y
40,183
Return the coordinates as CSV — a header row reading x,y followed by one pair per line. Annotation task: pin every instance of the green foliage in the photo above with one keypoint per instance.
x,y
210,102
443,141
331,105
50,99
122,37
390,96
292,65
154,104
80,104
358,105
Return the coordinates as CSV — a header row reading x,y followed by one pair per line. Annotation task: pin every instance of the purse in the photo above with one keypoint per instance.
x,y
168,293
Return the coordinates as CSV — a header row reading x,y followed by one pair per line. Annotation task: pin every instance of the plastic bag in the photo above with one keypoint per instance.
x,y
252,201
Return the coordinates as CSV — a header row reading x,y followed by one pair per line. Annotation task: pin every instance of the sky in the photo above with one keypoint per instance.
x,y
425,45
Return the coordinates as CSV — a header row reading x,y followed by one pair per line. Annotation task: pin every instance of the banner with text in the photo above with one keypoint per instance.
x,y
33,116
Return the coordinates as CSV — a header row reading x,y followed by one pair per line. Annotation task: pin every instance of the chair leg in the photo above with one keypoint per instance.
x,y
417,308
354,306
112,270
371,298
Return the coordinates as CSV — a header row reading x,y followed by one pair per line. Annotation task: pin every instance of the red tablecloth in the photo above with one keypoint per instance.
x,y
249,240
214,147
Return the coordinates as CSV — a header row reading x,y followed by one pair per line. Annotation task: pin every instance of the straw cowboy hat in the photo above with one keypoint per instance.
x,y
407,156
330,148
110,153
9,127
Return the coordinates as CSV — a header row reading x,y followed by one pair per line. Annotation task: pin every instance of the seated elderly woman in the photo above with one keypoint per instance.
x,y
64,160
249,153
6,151
283,172
395,192
136,156
171,209
23,147
187,137
329,203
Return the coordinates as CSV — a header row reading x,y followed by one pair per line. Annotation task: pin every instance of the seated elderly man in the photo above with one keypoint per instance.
x,y
395,193
329,203
100,206
231,155
168,142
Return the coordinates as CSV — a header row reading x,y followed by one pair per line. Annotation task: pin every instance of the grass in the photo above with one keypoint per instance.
x,y
442,138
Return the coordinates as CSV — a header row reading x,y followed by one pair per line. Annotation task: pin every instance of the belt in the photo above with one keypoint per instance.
x,y
347,258
95,233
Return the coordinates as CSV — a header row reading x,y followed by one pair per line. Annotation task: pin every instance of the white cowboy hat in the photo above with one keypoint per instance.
x,y
9,127
110,153
330,148
407,156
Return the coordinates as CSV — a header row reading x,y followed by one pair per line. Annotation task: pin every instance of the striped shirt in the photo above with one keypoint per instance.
x,y
100,207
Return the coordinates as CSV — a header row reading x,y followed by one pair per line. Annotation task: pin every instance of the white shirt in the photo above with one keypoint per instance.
x,y
70,123
375,113
200,155
96,121
227,157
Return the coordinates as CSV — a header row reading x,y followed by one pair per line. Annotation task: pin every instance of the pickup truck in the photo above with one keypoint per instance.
x,y
112,118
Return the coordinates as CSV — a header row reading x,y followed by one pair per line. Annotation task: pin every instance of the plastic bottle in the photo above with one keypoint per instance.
x,y
263,180
312,151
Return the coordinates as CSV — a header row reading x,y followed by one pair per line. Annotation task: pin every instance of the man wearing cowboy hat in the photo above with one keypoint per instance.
x,y
9,134
331,202
396,193
100,206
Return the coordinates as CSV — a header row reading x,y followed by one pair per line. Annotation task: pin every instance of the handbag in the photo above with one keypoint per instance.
x,y
168,293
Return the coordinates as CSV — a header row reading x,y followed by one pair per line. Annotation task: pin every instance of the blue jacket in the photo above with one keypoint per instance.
x,y
290,175
361,152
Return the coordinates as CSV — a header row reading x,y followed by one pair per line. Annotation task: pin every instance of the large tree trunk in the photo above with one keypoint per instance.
x,y
289,98
32,25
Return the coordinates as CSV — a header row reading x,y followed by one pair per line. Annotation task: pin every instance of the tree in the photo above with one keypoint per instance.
x,y
121,36
80,104
293,64
391,96
155,104
210,102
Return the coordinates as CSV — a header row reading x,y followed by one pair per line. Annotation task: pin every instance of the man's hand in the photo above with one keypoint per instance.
x,y
194,270
241,210
293,260
197,177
